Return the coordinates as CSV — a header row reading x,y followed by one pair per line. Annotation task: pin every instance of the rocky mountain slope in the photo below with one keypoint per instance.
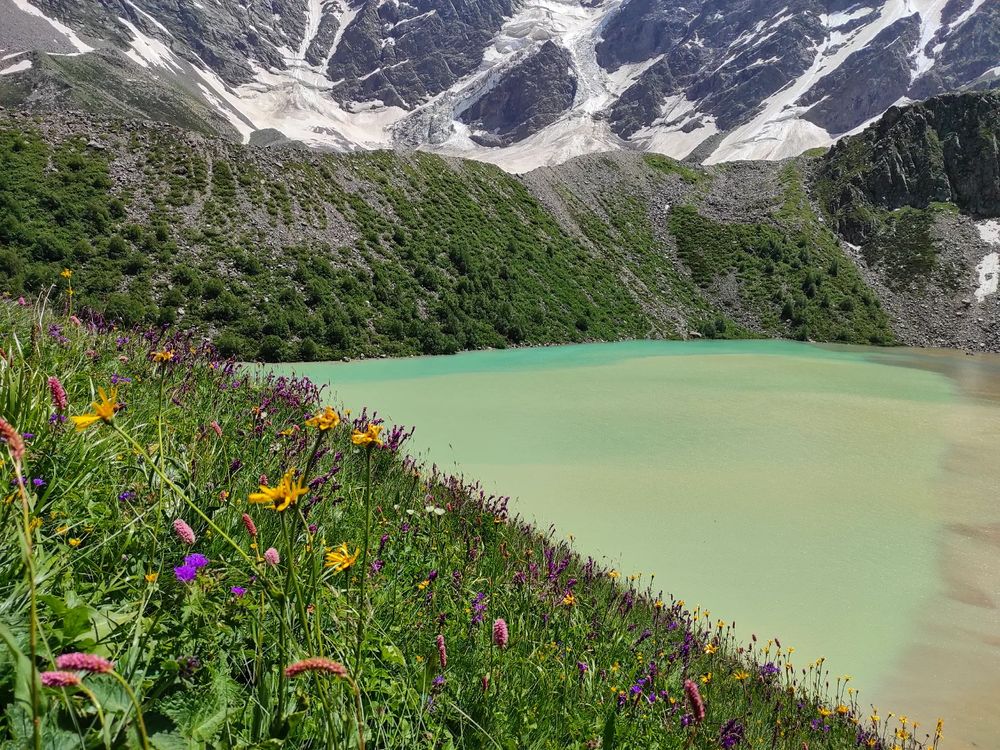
x,y
284,253
521,84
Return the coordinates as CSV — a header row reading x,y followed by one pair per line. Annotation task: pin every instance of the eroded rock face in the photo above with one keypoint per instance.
x,y
401,54
532,95
846,98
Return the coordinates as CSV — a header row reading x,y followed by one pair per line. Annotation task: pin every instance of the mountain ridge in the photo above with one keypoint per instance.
x,y
729,76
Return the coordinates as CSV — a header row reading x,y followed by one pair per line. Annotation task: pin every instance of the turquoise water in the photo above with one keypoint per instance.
x,y
798,490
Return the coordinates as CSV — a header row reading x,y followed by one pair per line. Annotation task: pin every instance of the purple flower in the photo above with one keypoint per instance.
x,y
38,482
731,734
438,681
116,379
478,608
196,560
582,668
186,573
237,591
378,565
126,496
768,670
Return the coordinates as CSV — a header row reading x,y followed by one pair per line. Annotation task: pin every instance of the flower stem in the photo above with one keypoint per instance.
x,y
364,560
140,725
29,566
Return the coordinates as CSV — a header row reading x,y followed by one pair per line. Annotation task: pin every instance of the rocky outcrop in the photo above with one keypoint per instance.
x,y
945,150
529,97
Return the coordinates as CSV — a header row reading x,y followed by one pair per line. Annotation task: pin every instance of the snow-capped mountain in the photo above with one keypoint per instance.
x,y
519,83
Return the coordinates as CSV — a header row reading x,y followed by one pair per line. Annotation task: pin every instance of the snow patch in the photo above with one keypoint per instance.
x,y
63,29
989,275
989,231
16,68
777,132
147,51
930,23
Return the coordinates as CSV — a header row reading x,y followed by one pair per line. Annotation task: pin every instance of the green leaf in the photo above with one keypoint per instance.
x,y
608,738
25,670
392,655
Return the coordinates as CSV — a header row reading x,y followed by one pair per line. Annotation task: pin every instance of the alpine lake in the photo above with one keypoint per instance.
x,y
843,499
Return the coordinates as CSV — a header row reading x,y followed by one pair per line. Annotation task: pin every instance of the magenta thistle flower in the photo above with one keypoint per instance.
x,y
59,400
196,560
186,573
237,591
695,701
79,662
271,557
184,532
250,525
442,651
60,679
316,664
500,634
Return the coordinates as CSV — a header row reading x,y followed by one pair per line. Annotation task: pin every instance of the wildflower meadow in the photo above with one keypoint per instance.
x,y
197,555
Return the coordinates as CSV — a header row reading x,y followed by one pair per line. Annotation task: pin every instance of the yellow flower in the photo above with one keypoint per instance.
x,y
875,718
939,728
341,559
325,421
706,678
613,575
62,530
103,410
368,438
843,710
658,604
74,542
824,712
569,600
151,577
741,675
286,493
710,648
165,356
423,584
66,273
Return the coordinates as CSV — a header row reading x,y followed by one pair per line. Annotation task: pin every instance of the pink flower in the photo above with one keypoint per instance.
x,y
60,679
272,557
59,399
442,652
316,664
500,634
215,428
695,701
79,662
21,302
75,320
15,443
250,525
184,532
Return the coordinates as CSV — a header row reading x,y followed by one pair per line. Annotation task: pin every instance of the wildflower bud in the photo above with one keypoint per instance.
x,y
59,679
500,634
250,525
216,428
15,443
442,652
695,701
184,532
485,683
59,400
271,557
316,664
79,662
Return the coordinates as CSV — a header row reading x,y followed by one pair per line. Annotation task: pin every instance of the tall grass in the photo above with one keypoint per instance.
x,y
359,601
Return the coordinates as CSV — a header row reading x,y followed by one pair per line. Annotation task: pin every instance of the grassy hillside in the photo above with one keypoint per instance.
x,y
291,255
139,536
